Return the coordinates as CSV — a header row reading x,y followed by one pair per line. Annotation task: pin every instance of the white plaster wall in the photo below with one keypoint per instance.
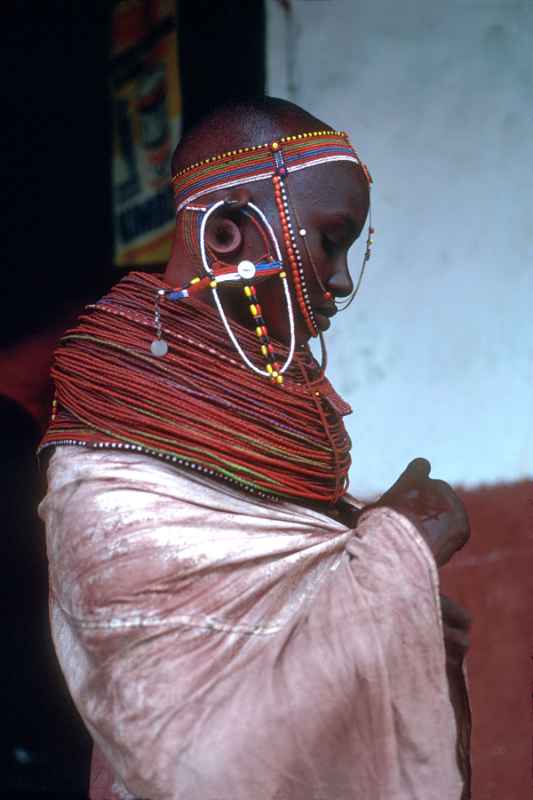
x,y
436,354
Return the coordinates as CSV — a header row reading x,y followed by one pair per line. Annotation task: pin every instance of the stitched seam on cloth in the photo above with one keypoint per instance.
x,y
186,621
208,624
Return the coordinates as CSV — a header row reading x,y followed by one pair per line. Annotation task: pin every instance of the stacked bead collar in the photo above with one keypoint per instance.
x,y
199,408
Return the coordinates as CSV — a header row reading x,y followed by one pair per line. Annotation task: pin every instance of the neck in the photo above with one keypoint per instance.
x,y
179,269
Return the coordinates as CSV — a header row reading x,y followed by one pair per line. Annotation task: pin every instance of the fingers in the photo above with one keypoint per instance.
x,y
453,614
432,506
419,467
456,628
416,472
457,506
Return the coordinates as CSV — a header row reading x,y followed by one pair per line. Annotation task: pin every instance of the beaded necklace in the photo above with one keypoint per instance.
x,y
199,407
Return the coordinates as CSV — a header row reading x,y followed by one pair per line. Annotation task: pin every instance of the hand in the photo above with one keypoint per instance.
x,y
456,627
432,506
456,622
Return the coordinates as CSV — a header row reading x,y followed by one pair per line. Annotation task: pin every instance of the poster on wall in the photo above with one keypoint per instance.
x,y
146,111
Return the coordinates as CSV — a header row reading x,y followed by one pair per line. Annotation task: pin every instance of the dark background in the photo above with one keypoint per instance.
x,y
57,248
57,236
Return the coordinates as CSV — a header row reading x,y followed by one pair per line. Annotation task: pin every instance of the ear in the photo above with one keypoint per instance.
x,y
223,235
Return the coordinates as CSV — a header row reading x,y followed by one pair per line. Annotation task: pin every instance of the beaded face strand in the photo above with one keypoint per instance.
x,y
293,254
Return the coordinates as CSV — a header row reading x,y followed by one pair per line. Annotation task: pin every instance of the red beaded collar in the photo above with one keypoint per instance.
x,y
198,408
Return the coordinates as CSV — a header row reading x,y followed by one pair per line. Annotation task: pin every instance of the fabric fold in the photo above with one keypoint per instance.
x,y
220,647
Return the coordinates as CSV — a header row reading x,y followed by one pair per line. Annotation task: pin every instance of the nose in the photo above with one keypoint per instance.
x,y
340,283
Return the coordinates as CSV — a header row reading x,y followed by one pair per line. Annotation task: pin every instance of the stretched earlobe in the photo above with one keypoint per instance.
x,y
223,236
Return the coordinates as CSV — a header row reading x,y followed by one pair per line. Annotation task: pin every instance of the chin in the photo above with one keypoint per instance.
x,y
323,323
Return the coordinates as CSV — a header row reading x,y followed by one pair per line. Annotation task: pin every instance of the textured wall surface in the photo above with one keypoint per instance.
x,y
436,355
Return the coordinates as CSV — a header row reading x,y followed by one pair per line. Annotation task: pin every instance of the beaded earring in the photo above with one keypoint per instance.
x,y
159,346
244,274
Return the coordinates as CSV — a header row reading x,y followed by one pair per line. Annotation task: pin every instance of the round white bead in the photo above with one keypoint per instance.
x,y
246,269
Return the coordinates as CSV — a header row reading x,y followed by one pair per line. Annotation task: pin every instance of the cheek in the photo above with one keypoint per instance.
x,y
317,263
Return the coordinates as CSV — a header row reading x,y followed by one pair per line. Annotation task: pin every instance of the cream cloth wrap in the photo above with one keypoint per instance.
x,y
219,647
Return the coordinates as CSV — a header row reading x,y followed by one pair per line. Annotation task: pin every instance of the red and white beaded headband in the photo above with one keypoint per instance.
x,y
261,162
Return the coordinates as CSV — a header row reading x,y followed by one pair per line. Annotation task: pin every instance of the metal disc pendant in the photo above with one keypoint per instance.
x,y
159,348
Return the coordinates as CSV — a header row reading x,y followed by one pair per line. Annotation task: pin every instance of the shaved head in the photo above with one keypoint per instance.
x,y
242,124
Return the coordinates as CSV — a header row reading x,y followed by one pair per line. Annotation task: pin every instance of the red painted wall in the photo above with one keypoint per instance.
x,y
493,578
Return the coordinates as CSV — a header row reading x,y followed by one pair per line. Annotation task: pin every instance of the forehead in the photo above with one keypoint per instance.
x,y
336,187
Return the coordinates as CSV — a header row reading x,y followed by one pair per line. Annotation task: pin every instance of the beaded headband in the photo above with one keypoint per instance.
x,y
261,162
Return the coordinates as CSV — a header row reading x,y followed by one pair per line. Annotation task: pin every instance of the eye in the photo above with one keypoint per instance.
x,y
338,232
